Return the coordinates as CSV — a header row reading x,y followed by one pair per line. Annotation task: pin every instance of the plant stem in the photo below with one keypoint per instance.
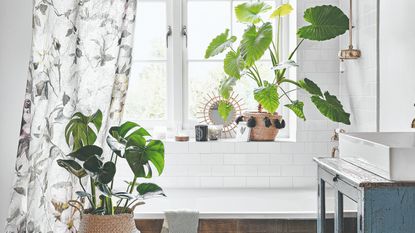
x,y
93,193
83,188
258,75
286,94
130,191
278,39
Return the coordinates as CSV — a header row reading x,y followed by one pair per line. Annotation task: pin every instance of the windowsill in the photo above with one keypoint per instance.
x,y
230,140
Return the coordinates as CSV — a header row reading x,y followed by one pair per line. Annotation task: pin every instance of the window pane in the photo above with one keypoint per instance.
x,y
147,92
149,42
206,20
204,78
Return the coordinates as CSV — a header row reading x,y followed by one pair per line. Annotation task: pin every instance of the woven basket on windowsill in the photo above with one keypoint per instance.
x,y
118,223
260,132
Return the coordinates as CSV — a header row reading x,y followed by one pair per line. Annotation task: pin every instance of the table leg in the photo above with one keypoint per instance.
x,y
321,218
338,212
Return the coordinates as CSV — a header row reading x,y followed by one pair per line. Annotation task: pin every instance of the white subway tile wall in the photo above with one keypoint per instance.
x,y
230,164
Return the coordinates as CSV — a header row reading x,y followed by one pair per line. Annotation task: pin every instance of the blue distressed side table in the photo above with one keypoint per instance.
x,y
383,206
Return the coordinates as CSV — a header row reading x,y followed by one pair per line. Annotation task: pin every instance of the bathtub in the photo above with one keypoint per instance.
x,y
242,204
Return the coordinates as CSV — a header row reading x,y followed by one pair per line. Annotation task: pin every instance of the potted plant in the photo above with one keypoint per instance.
x,y
325,22
103,209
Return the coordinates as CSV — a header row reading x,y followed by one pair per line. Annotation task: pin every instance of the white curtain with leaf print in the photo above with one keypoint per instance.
x,y
81,57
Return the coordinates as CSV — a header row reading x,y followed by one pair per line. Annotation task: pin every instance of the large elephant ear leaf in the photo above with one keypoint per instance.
x,y
331,108
226,87
267,96
298,108
251,12
326,22
255,42
155,153
149,189
224,109
233,64
219,44
310,86
283,10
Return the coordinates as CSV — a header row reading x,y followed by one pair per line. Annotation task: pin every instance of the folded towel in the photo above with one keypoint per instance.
x,y
181,221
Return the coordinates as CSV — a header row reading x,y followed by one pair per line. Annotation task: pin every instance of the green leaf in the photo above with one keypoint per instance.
x,y
106,173
224,109
93,164
226,87
84,153
326,22
146,189
331,108
310,86
233,64
80,130
267,96
251,12
255,42
297,107
155,153
96,119
82,194
282,10
105,190
73,167
124,195
219,44
126,127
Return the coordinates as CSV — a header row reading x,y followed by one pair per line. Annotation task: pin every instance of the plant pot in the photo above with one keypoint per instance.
x,y
108,223
260,132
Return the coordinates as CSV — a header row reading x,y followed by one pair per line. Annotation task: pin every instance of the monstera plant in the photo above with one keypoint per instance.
x,y
128,142
324,23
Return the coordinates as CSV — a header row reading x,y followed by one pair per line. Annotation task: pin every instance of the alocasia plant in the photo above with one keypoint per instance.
x,y
325,22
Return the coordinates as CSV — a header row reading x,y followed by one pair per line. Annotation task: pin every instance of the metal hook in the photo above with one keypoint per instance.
x,y
184,33
168,34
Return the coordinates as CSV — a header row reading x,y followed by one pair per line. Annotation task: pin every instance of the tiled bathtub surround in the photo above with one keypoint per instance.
x,y
230,164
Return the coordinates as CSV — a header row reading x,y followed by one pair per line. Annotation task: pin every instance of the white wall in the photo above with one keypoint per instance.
x,y
15,40
396,63
358,84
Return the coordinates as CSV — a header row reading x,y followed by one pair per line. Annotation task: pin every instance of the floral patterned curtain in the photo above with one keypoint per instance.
x,y
81,58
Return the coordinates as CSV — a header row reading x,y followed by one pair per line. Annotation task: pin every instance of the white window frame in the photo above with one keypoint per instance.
x,y
177,114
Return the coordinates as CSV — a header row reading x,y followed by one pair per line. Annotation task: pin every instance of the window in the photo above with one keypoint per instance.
x,y
170,78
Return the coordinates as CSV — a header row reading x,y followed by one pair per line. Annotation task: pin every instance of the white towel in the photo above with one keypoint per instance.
x,y
180,221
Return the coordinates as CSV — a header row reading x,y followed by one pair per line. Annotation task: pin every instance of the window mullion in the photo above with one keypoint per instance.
x,y
175,92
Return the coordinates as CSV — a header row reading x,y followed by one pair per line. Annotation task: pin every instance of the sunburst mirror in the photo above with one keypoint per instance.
x,y
215,110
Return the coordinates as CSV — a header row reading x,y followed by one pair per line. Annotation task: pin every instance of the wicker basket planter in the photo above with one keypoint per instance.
x,y
108,223
260,132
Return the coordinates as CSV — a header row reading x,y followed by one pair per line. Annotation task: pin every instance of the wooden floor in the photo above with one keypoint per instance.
x,y
251,226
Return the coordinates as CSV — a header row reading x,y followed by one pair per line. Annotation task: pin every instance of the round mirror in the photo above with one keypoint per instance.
x,y
218,111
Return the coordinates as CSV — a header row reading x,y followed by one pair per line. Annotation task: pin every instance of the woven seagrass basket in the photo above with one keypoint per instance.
x,y
260,132
118,223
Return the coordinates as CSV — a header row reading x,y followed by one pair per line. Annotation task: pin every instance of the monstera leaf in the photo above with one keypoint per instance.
x,y
233,64
330,107
224,109
255,42
283,10
297,108
140,153
219,44
118,136
149,189
251,12
267,96
83,129
326,22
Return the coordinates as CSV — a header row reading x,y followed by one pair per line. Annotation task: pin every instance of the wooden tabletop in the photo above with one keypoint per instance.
x,y
355,175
